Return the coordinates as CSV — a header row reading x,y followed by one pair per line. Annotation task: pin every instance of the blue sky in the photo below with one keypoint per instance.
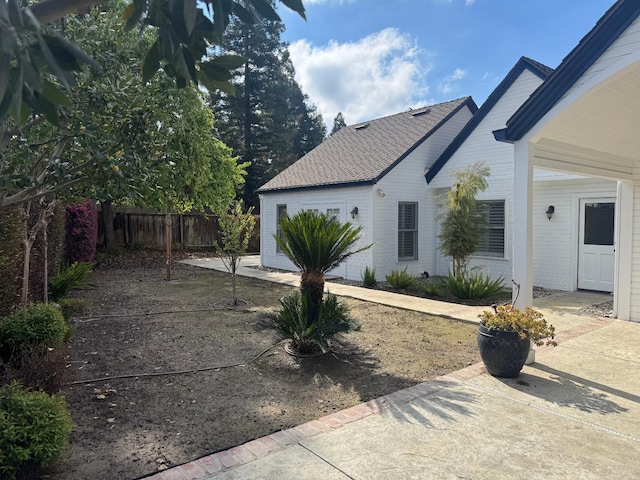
x,y
370,58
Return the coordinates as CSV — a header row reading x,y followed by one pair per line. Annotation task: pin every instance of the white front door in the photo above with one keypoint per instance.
x,y
596,244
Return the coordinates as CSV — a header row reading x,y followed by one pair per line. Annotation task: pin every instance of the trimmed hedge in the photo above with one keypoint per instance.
x,y
32,326
11,257
34,427
81,222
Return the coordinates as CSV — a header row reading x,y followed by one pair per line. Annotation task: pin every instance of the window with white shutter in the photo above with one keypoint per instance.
x,y
492,241
407,231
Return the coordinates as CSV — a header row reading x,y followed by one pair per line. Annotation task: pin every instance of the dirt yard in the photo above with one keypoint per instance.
x,y
133,420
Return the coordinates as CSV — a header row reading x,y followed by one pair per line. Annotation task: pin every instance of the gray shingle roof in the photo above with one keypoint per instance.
x,y
365,152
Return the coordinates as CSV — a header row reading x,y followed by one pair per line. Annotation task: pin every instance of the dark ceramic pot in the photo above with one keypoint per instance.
x,y
503,353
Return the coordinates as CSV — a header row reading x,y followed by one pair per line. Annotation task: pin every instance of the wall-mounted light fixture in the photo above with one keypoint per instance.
x,y
354,213
380,192
550,211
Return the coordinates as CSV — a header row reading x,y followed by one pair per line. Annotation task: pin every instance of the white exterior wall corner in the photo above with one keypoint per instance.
x,y
481,145
634,290
406,183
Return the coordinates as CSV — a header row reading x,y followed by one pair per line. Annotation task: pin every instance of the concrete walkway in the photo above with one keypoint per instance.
x,y
575,413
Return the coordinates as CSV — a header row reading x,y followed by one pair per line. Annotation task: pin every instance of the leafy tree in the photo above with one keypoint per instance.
x,y
236,228
268,122
122,139
42,64
338,123
316,243
183,30
464,219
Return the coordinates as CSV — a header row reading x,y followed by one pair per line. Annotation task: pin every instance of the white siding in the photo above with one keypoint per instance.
x,y
377,214
635,256
555,241
480,145
406,183
345,198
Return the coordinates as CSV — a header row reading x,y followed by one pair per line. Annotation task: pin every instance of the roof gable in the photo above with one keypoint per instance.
x,y
615,21
365,152
538,69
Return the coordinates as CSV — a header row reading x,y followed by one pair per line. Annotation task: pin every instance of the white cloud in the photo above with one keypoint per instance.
x,y
448,83
378,75
468,3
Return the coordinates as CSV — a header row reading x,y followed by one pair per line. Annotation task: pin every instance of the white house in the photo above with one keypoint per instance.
x,y
585,120
371,174
561,256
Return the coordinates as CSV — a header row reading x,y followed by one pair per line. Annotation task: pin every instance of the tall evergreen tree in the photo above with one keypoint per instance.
x,y
268,122
338,123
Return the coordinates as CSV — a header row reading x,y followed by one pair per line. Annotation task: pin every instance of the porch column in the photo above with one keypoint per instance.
x,y
622,282
523,224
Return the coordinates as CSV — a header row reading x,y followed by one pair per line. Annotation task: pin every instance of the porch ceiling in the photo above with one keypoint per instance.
x,y
599,131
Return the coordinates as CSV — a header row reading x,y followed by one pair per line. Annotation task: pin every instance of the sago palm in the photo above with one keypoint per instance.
x,y
316,243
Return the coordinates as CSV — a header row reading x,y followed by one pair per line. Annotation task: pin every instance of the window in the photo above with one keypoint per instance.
x,y
407,231
334,212
281,212
491,244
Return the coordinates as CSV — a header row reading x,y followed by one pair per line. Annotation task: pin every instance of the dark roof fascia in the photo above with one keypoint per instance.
x,y
371,181
522,65
589,49
467,103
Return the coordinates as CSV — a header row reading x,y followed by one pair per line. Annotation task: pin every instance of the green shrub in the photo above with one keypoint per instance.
x,y
474,286
369,277
400,280
31,326
72,307
72,278
38,368
34,427
306,337
431,288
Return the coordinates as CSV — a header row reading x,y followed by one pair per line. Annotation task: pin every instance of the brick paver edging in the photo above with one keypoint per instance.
x,y
282,439
260,447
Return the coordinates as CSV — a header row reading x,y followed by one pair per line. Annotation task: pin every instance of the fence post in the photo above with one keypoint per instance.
x,y
182,230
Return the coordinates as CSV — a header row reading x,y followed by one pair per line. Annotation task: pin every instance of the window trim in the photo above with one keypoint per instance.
x,y
485,239
414,230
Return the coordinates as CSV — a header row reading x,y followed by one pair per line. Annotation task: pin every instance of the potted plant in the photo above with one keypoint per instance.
x,y
504,337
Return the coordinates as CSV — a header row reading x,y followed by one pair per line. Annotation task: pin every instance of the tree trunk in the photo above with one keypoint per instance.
x,y
168,243
29,239
107,220
234,297
312,287
45,279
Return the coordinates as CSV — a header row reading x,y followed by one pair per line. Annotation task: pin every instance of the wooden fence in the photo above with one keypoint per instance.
x,y
143,227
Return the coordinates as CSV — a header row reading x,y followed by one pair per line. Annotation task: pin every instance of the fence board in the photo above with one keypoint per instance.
x,y
146,228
